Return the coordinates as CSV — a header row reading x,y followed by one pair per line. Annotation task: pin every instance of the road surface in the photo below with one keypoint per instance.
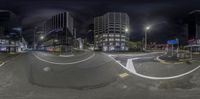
x,y
98,77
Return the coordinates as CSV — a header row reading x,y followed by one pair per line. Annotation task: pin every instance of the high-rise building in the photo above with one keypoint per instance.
x,y
111,31
9,31
90,34
7,22
193,25
59,33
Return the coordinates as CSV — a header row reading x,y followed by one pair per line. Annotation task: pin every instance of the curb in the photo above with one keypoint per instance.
x,y
165,62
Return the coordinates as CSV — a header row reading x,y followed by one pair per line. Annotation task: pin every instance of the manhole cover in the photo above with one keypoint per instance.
x,y
46,69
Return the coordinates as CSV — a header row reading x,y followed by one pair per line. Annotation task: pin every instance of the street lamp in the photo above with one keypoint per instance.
x,y
126,30
56,40
146,30
148,27
41,37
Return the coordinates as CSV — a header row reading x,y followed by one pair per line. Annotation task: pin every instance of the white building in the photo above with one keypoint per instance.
x,y
111,31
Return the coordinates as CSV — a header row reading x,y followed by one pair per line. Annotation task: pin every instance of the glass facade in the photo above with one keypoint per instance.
x,y
59,33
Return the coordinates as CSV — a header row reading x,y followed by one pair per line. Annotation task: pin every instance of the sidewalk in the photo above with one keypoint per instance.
x,y
6,56
196,57
167,58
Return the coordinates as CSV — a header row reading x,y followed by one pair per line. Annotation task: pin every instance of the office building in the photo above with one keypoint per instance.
x,y
90,34
111,32
9,31
58,33
192,28
193,25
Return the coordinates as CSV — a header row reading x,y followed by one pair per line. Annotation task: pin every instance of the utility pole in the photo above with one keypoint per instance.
x,y
145,40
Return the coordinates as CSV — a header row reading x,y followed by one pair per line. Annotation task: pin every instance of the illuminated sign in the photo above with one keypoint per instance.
x,y
172,41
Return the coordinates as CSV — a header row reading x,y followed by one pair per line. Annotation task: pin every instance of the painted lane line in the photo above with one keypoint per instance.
x,y
123,75
66,55
65,63
135,55
155,78
2,64
161,61
129,65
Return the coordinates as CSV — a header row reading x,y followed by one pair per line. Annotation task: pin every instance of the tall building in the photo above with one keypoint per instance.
x,y
111,32
59,33
7,22
90,34
193,25
192,28
9,34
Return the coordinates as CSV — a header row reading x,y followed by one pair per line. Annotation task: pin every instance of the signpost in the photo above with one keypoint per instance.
x,y
173,42
193,43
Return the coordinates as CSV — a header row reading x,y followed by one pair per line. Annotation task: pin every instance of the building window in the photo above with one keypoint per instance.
x,y
117,39
117,44
105,48
111,39
122,44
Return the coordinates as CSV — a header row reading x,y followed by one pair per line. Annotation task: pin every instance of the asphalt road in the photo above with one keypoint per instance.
x,y
99,77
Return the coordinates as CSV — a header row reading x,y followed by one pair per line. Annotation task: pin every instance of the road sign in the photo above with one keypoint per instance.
x,y
172,41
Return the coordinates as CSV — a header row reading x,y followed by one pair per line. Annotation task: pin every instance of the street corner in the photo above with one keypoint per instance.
x,y
161,71
174,60
164,59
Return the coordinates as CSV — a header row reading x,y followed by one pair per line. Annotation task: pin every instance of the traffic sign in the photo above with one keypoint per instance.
x,y
172,41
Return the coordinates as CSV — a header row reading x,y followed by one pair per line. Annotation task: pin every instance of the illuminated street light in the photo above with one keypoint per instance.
x,y
148,27
56,40
41,37
146,30
126,30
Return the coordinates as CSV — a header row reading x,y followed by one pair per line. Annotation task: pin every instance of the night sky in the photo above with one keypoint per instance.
x,y
165,15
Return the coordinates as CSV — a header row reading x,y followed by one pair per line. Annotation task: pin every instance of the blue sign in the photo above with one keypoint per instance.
x,y
172,41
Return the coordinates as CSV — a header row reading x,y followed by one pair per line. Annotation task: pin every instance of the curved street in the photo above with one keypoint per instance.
x,y
100,77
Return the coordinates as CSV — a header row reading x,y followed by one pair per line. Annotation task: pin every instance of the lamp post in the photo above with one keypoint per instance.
x,y
145,42
41,37
125,47
34,39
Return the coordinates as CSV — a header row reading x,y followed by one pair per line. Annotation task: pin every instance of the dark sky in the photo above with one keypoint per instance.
x,y
166,15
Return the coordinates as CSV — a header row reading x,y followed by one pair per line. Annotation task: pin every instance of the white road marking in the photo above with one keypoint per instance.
x,y
129,65
123,75
65,63
2,64
66,55
150,77
160,60
143,54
